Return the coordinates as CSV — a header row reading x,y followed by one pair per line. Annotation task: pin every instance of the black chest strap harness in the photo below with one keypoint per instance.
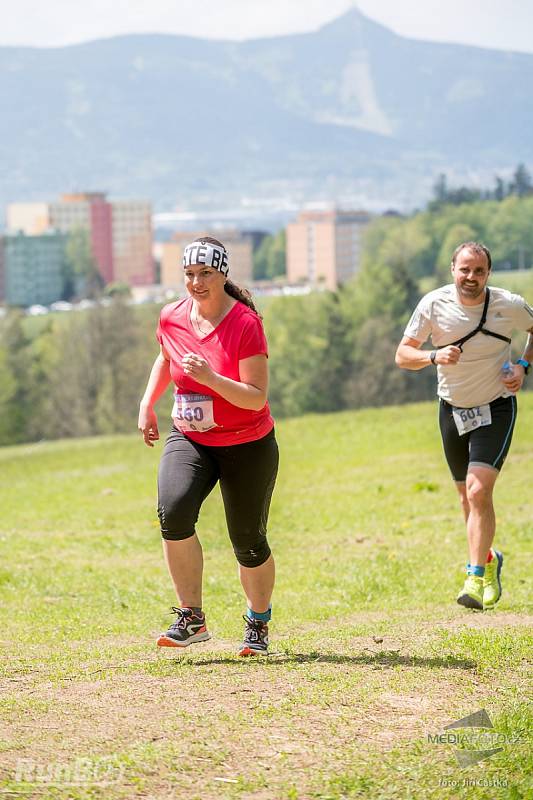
x,y
480,329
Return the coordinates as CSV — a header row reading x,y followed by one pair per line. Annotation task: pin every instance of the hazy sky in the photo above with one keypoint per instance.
x,y
504,24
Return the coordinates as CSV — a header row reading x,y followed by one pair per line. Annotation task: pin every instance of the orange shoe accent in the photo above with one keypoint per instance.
x,y
166,641
247,651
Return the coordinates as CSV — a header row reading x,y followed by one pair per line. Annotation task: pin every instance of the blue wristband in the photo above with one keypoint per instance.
x,y
525,364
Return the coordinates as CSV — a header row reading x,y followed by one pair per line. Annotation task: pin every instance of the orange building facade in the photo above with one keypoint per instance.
x,y
323,247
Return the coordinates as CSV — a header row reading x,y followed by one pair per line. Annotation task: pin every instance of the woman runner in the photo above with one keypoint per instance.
x,y
213,348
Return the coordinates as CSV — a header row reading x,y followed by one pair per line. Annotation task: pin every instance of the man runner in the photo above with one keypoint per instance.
x,y
470,326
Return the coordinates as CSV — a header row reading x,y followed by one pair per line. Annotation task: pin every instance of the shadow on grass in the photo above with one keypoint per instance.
x,y
381,659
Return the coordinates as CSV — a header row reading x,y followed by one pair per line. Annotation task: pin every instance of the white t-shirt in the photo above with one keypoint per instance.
x,y
476,378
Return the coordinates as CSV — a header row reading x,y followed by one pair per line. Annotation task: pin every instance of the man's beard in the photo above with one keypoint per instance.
x,y
472,291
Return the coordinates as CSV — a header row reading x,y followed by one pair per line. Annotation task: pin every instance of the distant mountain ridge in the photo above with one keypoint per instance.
x,y
352,107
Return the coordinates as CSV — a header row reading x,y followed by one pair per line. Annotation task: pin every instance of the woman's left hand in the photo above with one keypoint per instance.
x,y
198,368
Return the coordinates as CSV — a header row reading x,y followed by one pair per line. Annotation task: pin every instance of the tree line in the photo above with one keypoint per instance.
x,y
73,374
83,373
427,239
520,185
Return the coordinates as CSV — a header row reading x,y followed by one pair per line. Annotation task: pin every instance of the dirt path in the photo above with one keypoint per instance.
x,y
232,717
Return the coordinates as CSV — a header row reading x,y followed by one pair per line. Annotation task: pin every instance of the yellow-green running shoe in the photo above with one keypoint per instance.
x,y
471,595
492,584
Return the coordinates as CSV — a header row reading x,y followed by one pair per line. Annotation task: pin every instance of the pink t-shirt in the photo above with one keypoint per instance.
x,y
239,335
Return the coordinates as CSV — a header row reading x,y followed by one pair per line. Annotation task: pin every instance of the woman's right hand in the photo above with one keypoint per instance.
x,y
148,425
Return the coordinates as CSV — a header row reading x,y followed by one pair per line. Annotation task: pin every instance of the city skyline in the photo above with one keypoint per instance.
x,y
490,23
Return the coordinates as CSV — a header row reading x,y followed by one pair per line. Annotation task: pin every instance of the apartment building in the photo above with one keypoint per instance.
x,y
93,213
323,247
120,231
133,262
32,268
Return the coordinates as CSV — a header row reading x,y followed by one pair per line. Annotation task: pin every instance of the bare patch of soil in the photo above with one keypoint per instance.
x,y
269,721
488,620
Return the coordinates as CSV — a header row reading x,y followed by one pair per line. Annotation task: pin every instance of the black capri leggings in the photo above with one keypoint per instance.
x,y
188,471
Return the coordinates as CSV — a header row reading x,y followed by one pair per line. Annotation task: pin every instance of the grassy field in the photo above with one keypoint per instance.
x,y
370,653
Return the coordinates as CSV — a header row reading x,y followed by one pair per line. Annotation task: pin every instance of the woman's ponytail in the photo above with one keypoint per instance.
x,y
240,294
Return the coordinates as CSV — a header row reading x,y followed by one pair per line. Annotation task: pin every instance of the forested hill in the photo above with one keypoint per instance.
x,y
163,115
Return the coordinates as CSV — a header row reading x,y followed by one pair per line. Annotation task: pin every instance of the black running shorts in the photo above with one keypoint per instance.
x,y
188,471
485,447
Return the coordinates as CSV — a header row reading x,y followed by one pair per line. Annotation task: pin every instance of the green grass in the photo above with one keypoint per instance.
x,y
370,652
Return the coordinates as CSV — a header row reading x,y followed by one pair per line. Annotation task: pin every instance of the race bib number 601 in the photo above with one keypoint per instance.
x,y
468,419
193,412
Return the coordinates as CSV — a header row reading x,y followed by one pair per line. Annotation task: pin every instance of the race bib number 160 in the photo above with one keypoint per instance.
x,y
468,419
193,412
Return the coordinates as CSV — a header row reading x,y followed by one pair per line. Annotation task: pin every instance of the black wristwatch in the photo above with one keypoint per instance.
x,y
525,364
433,356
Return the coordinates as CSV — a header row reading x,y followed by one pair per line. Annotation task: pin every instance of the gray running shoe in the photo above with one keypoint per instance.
x,y
188,628
255,642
